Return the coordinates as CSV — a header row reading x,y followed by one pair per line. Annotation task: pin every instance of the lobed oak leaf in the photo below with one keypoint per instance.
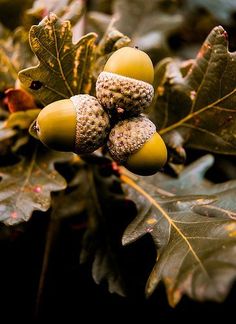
x,y
200,105
64,68
194,234
27,185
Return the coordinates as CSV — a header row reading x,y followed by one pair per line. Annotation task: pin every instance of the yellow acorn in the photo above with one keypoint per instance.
x,y
135,143
125,85
78,124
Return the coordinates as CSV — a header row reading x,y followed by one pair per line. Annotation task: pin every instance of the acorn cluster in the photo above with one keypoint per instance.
x,y
115,117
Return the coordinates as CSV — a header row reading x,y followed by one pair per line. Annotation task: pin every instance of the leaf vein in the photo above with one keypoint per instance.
x,y
133,185
190,116
59,63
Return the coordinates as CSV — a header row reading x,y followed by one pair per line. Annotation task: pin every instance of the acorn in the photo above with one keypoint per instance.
x,y
124,87
135,143
78,124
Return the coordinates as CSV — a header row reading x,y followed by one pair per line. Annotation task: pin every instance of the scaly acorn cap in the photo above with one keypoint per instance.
x,y
92,124
128,136
78,124
123,95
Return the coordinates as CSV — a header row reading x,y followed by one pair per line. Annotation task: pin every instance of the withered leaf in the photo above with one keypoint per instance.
x,y
19,100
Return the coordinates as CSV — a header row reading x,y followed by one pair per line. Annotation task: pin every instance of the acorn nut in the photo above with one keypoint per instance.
x,y
124,87
135,143
78,124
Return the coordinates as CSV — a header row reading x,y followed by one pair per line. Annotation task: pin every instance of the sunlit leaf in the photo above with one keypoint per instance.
x,y
64,68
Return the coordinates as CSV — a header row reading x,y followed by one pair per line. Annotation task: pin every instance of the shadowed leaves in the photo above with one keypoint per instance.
x,y
201,104
195,235
102,240
27,185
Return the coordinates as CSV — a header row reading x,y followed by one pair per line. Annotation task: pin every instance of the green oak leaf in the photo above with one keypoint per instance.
x,y
64,68
195,235
200,105
27,185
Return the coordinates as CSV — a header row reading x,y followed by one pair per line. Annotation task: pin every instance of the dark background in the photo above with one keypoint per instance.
x,y
70,293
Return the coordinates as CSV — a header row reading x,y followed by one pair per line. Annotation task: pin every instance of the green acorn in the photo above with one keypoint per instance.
x,y
135,143
78,124
125,85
